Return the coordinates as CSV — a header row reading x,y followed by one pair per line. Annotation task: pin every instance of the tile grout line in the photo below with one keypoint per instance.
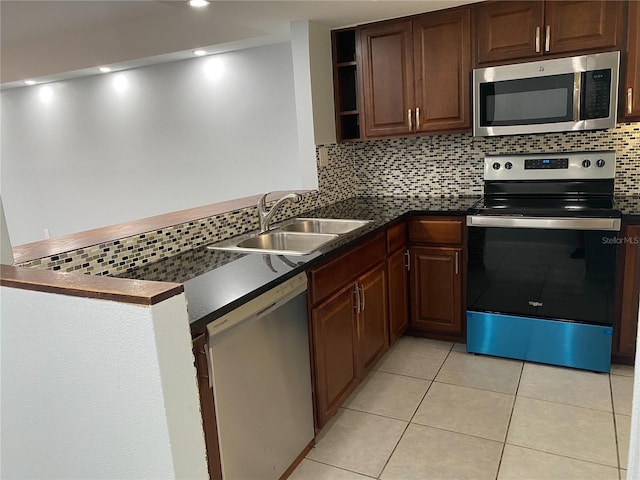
x,y
334,466
568,404
513,407
524,447
615,424
414,413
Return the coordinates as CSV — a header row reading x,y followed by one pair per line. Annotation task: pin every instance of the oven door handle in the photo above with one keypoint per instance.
x,y
563,223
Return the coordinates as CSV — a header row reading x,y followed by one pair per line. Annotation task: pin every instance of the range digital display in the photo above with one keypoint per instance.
x,y
546,163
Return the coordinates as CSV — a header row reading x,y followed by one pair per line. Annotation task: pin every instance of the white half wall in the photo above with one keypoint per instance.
x,y
107,149
313,77
97,389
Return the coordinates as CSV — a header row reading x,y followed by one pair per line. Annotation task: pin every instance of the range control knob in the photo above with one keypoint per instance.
x,y
586,163
600,163
496,166
508,165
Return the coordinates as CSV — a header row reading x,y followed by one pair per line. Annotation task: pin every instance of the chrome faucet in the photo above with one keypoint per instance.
x,y
265,215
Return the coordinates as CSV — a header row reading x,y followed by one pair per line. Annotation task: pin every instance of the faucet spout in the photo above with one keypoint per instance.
x,y
265,215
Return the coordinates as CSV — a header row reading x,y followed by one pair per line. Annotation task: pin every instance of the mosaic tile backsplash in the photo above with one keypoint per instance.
x,y
440,165
445,165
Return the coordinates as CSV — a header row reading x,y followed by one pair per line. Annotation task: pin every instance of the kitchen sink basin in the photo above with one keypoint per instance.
x,y
294,243
299,236
322,225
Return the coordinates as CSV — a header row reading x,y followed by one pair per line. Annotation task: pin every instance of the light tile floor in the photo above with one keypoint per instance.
x,y
429,410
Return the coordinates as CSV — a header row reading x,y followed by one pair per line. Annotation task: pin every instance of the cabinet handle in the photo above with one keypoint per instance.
x,y
408,257
629,101
356,292
417,118
547,38
538,39
363,298
457,265
409,119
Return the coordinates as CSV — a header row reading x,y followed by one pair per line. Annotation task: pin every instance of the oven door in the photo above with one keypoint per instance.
x,y
542,294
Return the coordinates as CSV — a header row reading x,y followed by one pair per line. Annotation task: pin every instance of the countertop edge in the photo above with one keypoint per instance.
x,y
122,290
200,324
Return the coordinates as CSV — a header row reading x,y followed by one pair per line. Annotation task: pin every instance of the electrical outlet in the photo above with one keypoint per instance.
x,y
47,235
324,156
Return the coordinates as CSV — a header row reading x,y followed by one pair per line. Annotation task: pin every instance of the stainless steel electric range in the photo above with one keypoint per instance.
x,y
541,259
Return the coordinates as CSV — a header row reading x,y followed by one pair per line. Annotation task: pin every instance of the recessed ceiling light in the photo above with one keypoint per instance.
x,y
199,53
198,3
30,82
104,69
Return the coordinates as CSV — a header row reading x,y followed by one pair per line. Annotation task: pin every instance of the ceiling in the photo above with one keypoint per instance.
x,y
54,39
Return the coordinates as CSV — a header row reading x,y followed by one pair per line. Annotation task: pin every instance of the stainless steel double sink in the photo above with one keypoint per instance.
x,y
298,236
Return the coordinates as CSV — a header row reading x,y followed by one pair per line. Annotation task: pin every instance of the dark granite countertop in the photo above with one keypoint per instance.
x,y
216,282
629,208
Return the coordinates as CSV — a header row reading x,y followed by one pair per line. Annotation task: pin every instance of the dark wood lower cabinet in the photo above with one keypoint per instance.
x,y
436,289
398,285
207,406
624,341
372,319
349,336
334,336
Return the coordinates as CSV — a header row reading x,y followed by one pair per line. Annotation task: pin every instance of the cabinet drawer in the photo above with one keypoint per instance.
x,y
436,230
396,237
338,272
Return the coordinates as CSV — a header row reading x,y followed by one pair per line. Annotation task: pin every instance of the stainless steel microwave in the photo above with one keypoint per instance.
x,y
561,95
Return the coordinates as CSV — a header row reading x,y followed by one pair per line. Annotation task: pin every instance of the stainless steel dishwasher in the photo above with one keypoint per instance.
x,y
259,357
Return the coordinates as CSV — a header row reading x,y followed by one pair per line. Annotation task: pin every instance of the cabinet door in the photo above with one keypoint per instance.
x,y
630,96
627,331
508,30
387,73
334,341
398,294
436,289
442,65
571,26
207,406
372,320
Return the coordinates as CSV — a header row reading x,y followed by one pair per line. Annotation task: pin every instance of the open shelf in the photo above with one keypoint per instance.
x,y
345,74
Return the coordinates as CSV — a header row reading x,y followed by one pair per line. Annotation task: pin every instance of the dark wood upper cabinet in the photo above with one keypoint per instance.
x,y
525,30
442,64
571,26
416,74
387,72
630,86
508,31
346,82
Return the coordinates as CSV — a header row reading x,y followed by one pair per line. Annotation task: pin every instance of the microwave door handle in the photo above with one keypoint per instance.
x,y
577,84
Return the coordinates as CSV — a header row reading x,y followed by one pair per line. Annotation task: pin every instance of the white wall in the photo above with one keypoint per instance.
x,y
633,466
101,150
313,75
97,389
